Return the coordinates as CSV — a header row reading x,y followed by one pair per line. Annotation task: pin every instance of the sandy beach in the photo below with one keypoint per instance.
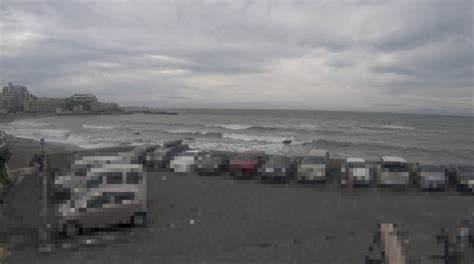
x,y
23,150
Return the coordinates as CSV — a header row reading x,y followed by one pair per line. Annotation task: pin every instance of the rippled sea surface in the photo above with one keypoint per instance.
x,y
442,139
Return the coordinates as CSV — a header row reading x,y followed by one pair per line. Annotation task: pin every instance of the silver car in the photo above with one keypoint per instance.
x,y
431,177
188,161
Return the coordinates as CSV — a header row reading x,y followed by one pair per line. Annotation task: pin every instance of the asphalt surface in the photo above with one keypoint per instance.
x,y
215,219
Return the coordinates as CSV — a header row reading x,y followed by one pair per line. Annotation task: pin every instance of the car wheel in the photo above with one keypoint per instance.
x,y
72,229
139,220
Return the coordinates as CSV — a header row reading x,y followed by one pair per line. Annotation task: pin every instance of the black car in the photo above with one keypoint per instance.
x,y
160,158
464,178
277,169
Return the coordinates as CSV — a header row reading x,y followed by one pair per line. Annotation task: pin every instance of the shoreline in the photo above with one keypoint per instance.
x,y
23,149
7,118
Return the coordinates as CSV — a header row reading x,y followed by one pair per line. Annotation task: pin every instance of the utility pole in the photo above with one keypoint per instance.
x,y
45,245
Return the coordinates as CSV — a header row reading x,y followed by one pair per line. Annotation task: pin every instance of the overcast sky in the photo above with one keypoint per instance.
x,y
334,55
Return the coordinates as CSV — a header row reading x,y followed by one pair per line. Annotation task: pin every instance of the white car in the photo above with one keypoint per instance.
x,y
355,171
187,161
393,171
313,167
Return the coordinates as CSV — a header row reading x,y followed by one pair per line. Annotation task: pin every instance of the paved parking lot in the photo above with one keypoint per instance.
x,y
195,219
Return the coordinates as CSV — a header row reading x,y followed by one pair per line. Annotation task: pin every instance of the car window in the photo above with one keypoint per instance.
x,y
431,168
114,178
94,182
97,202
133,178
119,197
313,160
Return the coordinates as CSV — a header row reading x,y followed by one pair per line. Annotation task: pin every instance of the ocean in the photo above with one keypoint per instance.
x,y
424,138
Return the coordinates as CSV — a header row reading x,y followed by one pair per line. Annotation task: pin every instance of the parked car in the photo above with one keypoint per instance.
x,y
355,171
160,158
246,164
109,195
277,169
313,166
465,178
138,154
212,165
187,161
430,176
393,171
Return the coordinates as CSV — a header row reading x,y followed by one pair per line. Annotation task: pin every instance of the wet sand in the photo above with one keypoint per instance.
x,y
23,150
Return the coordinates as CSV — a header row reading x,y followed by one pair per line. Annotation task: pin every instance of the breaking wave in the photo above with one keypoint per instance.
x,y
385,127
230,126
195,133
304,126
246,137
97,127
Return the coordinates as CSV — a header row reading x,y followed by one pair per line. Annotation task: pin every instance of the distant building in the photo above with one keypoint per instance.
x,y
84,98
3,105
104,107
14,97
45,105
78,109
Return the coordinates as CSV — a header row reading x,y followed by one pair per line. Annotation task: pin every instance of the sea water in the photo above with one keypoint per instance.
x,y
425,138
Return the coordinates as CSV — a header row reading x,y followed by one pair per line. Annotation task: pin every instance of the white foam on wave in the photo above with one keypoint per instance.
x,y
308,126
231,126
193,132
97,127
54,136
38,133
27,124
246,137
37,130
178,131
389,127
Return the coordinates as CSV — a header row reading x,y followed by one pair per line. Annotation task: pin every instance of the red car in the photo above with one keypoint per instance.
x,y
246,164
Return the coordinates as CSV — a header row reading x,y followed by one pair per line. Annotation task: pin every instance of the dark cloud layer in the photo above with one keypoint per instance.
x,y
348,55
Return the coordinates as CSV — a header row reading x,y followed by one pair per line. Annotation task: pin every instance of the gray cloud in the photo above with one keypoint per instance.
x,y
233,54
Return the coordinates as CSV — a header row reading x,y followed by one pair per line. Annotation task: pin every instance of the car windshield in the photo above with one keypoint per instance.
x,y
247,156
432,168
395,167
278,162
356,165
313,160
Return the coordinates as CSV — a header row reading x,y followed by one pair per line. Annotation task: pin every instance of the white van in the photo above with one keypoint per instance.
x,y
313,166
107,195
